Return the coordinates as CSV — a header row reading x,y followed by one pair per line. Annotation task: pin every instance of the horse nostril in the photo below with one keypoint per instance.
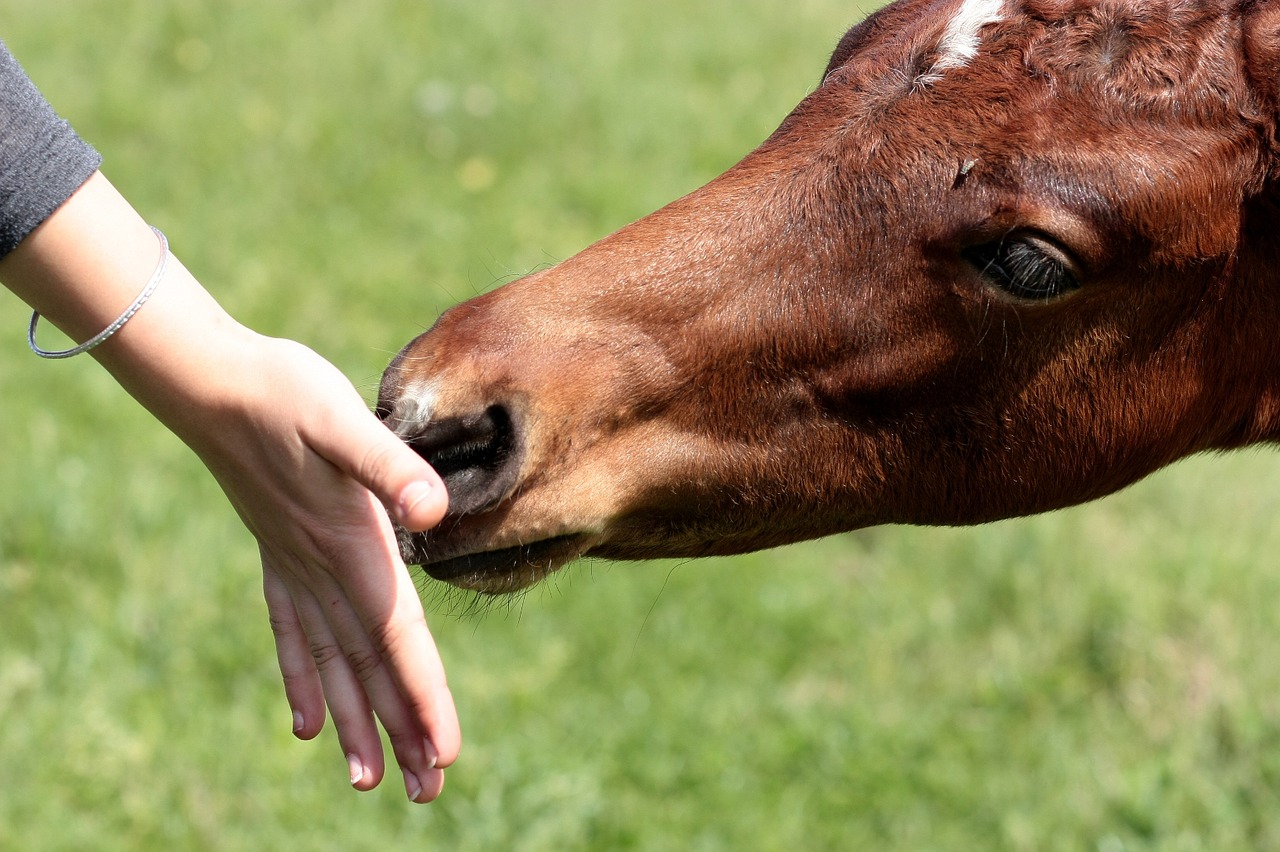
x,y
479,443
477,457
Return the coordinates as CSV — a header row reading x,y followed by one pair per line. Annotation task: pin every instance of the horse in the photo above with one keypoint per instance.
x,y
1009,256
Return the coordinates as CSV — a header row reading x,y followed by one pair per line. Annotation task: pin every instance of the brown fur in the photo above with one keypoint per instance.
x,y
801,347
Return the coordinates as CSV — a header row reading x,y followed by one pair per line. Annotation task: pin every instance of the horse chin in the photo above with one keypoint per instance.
x,y
499,571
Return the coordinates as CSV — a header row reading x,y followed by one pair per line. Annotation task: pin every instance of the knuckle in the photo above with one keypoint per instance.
x,y
282,627
294,680
376,463
325,653
365,663
383,636
386,635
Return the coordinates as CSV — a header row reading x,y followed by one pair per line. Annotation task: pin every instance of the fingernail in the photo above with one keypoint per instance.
x,y
432,755
298,721
356,767
411,785
413,494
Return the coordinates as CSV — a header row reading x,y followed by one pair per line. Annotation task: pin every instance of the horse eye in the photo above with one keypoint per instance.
x,y
1025,267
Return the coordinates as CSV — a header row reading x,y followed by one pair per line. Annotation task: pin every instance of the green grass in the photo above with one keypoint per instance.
x,y
1106,678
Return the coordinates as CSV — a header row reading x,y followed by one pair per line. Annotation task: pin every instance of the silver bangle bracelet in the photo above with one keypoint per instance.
x,y
120,321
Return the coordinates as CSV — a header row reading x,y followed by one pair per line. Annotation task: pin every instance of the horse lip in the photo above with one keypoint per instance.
x,y
508,568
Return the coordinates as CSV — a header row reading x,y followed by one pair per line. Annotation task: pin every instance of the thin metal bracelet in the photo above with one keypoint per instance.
x,y
120,321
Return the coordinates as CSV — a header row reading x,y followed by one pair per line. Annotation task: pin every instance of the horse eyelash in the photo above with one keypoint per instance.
x,y
1022,270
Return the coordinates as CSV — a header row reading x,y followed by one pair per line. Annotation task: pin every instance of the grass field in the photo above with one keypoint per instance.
x,y
1106,678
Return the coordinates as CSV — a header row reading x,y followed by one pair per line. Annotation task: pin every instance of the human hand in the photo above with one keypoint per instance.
x,y
306,465
308,468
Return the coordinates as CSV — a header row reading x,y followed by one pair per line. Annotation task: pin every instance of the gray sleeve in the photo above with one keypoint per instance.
x,y
42,160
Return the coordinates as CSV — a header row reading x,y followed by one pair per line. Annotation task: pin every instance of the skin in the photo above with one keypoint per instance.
x,y
310,471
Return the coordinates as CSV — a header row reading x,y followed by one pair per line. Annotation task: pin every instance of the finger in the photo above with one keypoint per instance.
x,y
397,659
383,597
302,686
423,703
414,753
357,443
343,691
414,661
432,784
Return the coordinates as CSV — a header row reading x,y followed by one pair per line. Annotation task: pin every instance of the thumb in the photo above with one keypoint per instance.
x,y
360,445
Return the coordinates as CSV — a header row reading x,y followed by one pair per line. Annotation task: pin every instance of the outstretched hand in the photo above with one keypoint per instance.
x,y
310,470
313,475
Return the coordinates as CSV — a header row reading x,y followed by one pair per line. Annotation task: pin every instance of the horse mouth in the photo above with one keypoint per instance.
x,y
507,569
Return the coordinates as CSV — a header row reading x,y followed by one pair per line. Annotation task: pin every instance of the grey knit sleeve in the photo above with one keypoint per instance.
x,y
42,160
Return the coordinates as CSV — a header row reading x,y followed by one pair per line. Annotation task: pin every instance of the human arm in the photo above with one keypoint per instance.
x,y
303,461
288,438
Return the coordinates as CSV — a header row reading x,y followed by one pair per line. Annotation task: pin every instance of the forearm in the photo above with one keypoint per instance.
x,y
87,262
76,251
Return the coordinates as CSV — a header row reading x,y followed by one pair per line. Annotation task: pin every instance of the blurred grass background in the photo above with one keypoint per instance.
x,y
1105,678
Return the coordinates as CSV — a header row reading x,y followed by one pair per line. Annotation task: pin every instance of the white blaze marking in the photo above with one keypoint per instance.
x,y
961,39
412,410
